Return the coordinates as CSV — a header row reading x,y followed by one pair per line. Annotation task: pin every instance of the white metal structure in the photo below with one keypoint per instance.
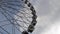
x,y
17,17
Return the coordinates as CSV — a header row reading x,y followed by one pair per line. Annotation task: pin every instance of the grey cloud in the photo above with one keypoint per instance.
x,y
48,11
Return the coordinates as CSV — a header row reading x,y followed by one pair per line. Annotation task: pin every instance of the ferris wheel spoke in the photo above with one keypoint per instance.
x,y
4,30
15,20
20,16
20,21
18,29
21,27
6,24
24,21
17,23
20,13
17,15
6,17
8,6
12,1
13,8
10,21
18,5
16,9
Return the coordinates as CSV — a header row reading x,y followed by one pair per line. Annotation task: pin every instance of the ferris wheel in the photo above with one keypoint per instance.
x,y
17,17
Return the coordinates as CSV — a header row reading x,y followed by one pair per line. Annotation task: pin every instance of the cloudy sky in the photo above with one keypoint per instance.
x,y
48,12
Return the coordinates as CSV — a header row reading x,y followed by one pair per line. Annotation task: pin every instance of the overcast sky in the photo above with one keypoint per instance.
x,y
48,12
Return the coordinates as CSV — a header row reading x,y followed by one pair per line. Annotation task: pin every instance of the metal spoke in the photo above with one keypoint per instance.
x,y
4,30
19,16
